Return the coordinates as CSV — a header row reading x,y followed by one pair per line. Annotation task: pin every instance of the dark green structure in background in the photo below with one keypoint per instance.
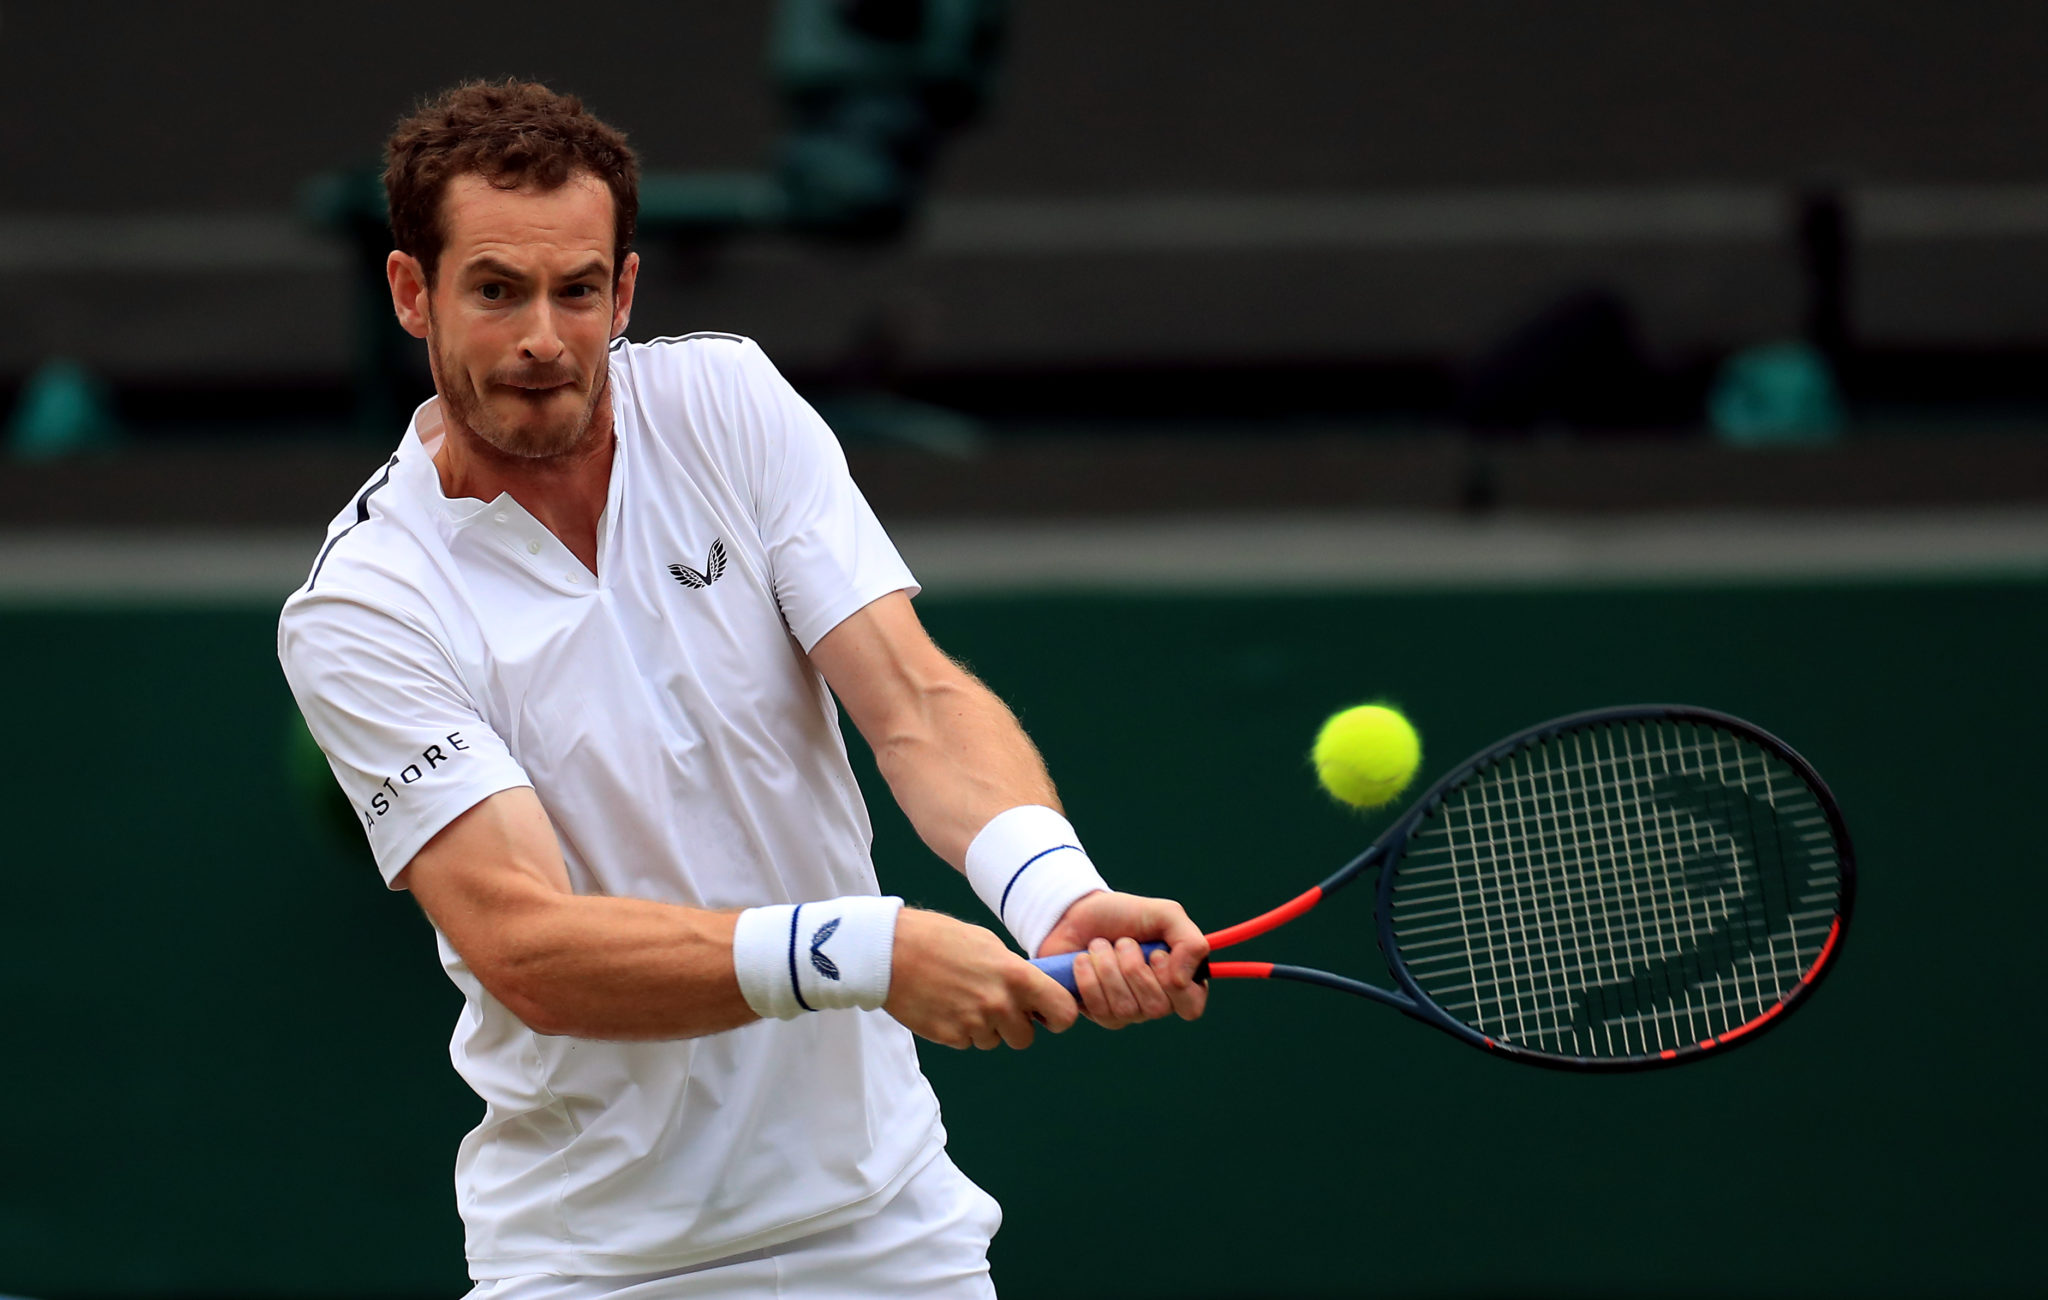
x,y
227,1073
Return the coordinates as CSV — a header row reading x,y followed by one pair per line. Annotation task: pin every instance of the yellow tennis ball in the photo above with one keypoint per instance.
x,y
1366,755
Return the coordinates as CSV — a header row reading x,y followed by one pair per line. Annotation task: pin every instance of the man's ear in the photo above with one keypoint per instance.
x,y
622,304
408,281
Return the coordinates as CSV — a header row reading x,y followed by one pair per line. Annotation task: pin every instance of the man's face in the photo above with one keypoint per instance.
x,y
522,309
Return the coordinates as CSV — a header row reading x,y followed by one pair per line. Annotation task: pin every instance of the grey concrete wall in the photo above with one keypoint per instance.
x,y
118,121
111,107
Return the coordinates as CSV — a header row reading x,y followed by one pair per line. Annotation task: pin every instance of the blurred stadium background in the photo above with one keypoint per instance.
x,y
1215,365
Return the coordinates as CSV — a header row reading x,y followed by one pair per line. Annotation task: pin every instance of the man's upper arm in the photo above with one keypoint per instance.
x,y
400,731
881,662
482,871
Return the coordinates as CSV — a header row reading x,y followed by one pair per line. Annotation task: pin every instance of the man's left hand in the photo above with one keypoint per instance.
x,y
1118,986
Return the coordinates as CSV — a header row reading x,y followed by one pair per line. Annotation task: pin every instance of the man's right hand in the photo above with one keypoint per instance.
x,y
960,986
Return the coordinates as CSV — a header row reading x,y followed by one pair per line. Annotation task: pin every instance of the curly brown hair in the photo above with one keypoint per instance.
x,y
513,134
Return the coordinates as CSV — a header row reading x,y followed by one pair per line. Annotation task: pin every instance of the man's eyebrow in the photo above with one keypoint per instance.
x,y
488,265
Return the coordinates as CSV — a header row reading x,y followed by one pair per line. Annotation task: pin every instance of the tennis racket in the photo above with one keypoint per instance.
x,y
1622,889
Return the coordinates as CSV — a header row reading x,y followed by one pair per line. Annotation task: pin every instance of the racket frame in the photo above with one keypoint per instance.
x,y
1386,853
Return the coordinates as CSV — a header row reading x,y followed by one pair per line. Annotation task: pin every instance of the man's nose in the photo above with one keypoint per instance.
x,y
542,341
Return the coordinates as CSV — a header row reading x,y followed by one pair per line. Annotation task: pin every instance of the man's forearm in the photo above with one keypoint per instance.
x,y
956,760
616,968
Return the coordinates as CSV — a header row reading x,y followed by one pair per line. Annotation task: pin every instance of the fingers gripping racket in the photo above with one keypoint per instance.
x,y
1616,890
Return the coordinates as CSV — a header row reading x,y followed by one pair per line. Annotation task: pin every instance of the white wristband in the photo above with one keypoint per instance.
x,y
798,957
1029,867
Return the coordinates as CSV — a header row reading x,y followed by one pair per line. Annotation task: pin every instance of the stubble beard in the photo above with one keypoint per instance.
x,y
557,440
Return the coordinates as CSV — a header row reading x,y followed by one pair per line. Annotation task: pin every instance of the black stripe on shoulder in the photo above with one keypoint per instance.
x,y
362,513
684,338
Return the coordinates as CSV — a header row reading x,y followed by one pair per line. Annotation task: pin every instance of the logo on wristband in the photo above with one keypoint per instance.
x,y
819,961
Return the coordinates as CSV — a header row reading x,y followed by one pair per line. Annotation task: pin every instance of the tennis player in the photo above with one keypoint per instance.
x,y
568,652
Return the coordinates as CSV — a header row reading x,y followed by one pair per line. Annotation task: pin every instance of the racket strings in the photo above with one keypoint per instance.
x,y
1619,890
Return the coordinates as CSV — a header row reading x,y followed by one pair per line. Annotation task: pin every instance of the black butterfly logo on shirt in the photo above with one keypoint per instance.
x,y
714,568
819,961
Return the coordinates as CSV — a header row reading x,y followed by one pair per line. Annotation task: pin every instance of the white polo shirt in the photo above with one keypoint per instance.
x,y
668,716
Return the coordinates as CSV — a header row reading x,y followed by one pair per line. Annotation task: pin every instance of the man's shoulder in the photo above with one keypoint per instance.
x,y
376,548
708,365
373,586
701,389
674,355
709,338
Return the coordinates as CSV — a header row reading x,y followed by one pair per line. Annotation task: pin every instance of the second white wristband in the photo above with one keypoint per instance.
x,y
1029,867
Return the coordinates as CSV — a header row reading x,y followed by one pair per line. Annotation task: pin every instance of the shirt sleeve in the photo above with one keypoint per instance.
x,y
401,733
828,555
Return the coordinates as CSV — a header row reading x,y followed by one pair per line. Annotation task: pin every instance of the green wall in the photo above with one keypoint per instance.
x,y
227,1043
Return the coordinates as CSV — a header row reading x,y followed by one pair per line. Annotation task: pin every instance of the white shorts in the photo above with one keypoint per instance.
x,y
930,1242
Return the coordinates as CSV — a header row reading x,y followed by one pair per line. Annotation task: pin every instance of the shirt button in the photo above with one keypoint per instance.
x,y
501,516
533,547
576,577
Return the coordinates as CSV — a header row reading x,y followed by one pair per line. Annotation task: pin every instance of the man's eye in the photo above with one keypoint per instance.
x,y
579,291
491,292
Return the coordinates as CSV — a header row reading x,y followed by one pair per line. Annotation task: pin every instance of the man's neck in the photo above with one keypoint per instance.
x,y
566,493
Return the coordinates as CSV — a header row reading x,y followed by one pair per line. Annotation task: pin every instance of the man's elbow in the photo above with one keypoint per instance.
x,y
522,986
541,1016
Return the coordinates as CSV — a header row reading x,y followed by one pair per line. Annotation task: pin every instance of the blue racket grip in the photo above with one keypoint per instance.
x,y
1061,967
